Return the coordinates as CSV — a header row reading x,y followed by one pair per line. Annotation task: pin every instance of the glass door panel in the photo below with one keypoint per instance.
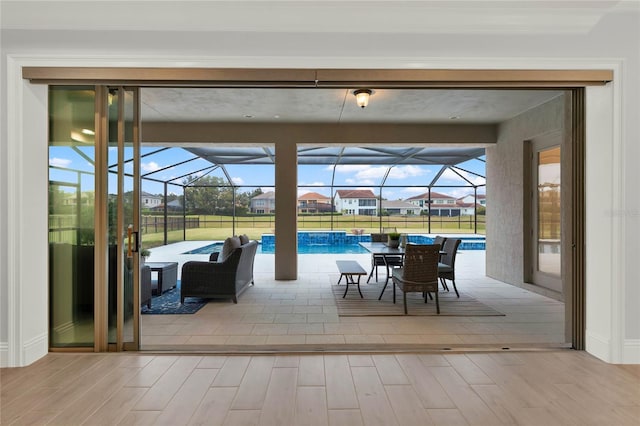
x,y
72,169
543,258
123,213
549,217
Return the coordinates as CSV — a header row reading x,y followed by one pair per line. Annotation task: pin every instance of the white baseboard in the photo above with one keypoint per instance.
x,y
631,351
4,354
35,348
598,346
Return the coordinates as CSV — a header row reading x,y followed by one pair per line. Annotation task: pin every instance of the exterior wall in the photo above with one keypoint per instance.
x,y
505,168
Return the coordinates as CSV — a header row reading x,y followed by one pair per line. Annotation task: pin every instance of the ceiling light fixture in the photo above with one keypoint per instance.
x,y
362,97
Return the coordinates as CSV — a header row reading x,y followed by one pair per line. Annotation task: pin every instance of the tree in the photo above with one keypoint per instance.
x,y
208,195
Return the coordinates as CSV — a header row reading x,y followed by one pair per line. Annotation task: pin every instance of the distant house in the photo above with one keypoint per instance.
x,y
312,202
264,203
481,199
439,204
356,202
399,207
468,206
174,205
150,201
87,198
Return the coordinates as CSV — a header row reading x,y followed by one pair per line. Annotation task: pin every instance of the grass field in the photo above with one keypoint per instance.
x,y
220,227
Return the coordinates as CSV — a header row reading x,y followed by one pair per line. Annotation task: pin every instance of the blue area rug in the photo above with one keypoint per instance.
x,y
169,304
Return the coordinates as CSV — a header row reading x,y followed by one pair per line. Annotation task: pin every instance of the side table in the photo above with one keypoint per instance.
x,y
167,276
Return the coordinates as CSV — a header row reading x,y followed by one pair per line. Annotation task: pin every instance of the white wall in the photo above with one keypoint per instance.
x,y
609,42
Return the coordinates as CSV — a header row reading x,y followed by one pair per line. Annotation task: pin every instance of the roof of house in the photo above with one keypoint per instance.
x,y
425,196
478,197
267,195
146,194
313,196
355,193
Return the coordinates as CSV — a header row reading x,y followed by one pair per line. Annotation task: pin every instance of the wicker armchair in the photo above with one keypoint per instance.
x,y
419,272
226,279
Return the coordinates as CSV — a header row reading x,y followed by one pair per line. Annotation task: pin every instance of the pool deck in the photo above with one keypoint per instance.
x,y
301,314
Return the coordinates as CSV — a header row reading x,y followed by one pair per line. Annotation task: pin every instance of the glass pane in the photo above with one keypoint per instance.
x,y
549,223
129,213
120,235
112,203
71,215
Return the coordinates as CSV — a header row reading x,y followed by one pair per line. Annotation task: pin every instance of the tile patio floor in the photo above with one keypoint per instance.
x,y
301,315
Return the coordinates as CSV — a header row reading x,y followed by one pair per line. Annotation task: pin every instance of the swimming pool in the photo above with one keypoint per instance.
x,y
338,242
306,249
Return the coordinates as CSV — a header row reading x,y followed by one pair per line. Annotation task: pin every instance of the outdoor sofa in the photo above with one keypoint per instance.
x,y
225,276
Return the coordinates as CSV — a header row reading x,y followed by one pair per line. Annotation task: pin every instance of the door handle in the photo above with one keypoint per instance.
x,y
133,238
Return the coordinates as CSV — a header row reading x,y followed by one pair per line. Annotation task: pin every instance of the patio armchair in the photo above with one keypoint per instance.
x,y
224,278
419,272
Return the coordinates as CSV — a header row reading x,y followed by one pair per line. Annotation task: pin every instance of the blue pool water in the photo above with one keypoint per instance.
x,y
338,242
306,249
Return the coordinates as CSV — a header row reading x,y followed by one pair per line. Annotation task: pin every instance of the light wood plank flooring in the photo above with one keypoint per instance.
x,y
561,387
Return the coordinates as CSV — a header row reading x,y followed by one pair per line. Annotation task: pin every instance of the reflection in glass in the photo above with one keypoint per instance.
x,y
549,219
71,215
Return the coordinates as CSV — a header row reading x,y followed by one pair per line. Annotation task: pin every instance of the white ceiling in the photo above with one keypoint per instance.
x,y
338,105
313,16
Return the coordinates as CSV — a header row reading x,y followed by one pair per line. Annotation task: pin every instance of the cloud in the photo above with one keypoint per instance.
x,y
237,180
151,166
403,172
311,184
415,190
59,162
372,175
348,168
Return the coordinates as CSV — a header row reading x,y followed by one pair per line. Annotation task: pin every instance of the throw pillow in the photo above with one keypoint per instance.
x,y
230,244
244,239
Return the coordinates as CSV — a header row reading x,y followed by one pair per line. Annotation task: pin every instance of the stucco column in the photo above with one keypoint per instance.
x,y
286,260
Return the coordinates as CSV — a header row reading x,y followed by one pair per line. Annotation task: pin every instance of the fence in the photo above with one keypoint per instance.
x,y
155,224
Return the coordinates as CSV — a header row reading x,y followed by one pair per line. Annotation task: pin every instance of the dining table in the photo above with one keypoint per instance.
x,y
383,250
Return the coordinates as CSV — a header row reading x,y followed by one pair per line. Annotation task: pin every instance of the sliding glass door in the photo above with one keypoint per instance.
x,y
94,186
123,207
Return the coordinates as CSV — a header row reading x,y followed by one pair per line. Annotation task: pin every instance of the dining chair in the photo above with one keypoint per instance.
x,y
439,239
447,265
419,272
378,260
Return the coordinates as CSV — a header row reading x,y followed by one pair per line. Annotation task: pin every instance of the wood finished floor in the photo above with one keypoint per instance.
x,y
515,388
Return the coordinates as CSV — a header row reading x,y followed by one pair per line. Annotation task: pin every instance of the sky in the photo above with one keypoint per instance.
x,y
404,181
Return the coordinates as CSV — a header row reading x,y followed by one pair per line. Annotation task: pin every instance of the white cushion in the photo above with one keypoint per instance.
x,y
230,244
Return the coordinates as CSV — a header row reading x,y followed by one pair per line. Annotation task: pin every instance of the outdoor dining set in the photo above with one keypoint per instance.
x,y
411,267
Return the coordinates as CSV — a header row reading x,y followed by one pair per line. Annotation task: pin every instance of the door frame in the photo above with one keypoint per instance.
x,y
603,122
